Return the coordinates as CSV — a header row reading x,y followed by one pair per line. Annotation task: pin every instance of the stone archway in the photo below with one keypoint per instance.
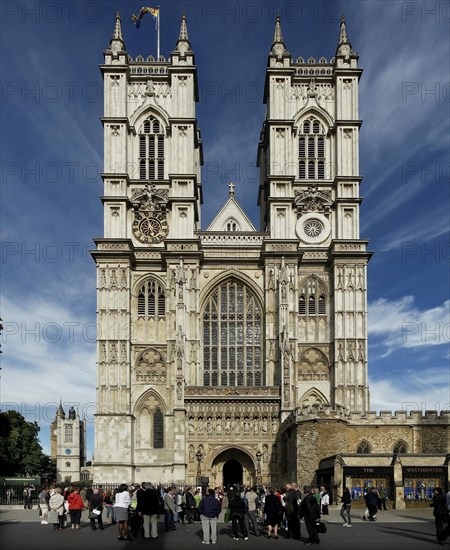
x,y
233,465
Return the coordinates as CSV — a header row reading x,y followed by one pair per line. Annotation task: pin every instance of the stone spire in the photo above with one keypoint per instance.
x,y
183,44
344,46
117,43
60,411
278,46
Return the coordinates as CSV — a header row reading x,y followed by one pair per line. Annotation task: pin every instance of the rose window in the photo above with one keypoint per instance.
x,y
313,228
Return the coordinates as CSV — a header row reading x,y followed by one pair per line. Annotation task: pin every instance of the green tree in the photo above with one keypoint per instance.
x,y
20,451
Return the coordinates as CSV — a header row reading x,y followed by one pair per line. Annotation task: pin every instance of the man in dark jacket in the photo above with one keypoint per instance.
x,y
309,511
147,507
291,509
440,514
190,505
371,503
209,510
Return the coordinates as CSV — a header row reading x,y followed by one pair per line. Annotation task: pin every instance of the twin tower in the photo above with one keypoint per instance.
x,y
212,341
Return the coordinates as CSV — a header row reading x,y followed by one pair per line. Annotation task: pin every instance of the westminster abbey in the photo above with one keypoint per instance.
x,y
235,353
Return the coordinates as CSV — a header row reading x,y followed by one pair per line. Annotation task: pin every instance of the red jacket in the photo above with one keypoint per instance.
x,y
75,501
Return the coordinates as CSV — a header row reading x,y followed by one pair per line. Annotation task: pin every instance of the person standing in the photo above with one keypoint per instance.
x,y
95,504
209,510
44,497
121,504
309,511
250,515
147,507
237,510
169,510
324,503
383,496
56,504
273,510
291,510
190,505
76,506
439,512
346,500
371,503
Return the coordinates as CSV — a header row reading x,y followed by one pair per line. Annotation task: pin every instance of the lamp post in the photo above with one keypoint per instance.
x,y
199,456
258,467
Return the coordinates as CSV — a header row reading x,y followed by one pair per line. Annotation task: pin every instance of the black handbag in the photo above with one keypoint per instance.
x,y
321,527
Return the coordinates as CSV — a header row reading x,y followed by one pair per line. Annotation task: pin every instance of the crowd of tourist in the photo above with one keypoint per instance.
x,y
135,509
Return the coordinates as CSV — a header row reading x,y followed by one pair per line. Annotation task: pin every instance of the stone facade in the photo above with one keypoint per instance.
x,y
212,342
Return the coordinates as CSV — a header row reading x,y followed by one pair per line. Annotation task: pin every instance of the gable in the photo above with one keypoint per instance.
x,y
231,212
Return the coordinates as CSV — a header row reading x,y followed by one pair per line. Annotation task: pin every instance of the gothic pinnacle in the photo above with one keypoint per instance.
x,y
183,43
344,47
118,28
278,46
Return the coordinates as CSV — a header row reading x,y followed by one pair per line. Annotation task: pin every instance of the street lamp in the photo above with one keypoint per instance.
x,y
258,467
199,456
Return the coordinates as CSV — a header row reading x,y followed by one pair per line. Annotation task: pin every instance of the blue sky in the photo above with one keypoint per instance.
x,y
51,158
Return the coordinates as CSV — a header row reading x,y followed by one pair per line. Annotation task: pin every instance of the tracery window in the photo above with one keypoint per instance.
x,y
312,299
232,337
151,150
311,150
68,433
364,448
151,300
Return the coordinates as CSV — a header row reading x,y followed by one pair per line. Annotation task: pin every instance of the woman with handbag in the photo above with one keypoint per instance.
x,y
95,504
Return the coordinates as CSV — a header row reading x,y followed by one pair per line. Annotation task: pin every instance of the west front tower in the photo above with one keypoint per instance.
x,y
146,264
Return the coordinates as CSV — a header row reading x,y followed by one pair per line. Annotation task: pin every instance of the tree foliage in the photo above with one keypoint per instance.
x,y
20,451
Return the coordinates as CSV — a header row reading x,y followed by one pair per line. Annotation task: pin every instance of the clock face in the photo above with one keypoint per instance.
x,y
150,228
68,451
55,432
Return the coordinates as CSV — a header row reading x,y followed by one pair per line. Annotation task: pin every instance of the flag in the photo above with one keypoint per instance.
x,y
138,18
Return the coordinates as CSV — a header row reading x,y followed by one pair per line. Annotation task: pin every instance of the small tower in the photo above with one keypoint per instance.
x,y
68,443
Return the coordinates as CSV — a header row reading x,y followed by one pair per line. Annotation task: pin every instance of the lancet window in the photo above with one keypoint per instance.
x,y
151,150
312,300
151,301
311,150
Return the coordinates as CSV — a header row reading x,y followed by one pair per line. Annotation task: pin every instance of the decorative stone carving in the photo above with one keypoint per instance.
x,y
150,368
313,200
313,366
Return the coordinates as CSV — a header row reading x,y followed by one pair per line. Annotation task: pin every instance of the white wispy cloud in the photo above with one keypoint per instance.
x,y
427,389
401,324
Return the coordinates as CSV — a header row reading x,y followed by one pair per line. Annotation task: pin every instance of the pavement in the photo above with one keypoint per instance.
x,y
394,530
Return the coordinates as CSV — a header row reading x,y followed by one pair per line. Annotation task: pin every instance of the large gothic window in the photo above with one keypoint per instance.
x,y
151,150
232,337
311,150
312,300
151,301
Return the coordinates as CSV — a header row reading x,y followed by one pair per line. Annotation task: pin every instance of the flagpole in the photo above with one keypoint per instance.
x,y
157,33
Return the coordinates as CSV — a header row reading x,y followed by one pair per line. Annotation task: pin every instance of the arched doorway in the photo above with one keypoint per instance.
x,y
233,465
232,472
